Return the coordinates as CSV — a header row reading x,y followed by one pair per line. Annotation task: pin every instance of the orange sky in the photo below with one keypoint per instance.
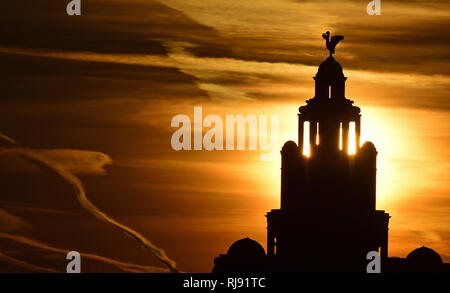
x,y
106,86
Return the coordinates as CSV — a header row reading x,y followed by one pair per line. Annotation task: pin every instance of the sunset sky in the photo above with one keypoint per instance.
x,y
97,93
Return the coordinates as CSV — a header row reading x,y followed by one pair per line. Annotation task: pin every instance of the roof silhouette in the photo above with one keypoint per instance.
x,y
330,69
424,256
246,247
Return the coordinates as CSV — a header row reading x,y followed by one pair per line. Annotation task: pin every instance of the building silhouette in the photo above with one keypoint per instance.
x,y
328,219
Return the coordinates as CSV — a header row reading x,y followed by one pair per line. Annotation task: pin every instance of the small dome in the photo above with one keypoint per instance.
x,y
330,69
424,256
369,147
246,247
289,147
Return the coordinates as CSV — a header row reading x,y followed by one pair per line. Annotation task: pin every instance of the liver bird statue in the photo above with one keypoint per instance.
x,y
331,45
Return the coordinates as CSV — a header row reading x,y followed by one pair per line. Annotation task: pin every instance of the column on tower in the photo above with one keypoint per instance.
x,y
312,137
329,136
300,132
338,88
322,90
336,130
345,136
357,133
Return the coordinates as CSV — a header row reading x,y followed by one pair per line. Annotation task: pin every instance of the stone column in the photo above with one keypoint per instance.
x,y
345,131
357,133
300,133
312,137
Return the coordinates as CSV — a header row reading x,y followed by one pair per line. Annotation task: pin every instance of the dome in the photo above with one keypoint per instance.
x,y
369,147
290,147
246,247
330,69
424,256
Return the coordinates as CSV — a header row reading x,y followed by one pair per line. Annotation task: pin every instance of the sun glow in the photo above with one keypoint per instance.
x,y
397,135
306,144
351,139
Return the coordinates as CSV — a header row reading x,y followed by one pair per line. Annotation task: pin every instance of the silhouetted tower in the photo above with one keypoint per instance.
x,y
328,220
328,186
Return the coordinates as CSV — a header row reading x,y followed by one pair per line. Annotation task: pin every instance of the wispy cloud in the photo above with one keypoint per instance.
x,y
28,266
228,79
10,222
127,267
61,171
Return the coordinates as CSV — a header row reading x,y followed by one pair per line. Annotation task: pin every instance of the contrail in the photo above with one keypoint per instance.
x,y
8,139
133,268
84,201
20,263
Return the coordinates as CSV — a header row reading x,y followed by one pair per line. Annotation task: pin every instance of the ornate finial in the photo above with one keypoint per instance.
x,y
331,45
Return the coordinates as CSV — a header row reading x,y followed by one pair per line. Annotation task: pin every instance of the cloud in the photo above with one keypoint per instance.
x,y
8,139
28,266
127,267
10,222
61,171
130,27
79,162
407,37
112,79
228,79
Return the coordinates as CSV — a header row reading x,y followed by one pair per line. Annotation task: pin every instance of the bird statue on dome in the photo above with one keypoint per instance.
x,y
331,45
